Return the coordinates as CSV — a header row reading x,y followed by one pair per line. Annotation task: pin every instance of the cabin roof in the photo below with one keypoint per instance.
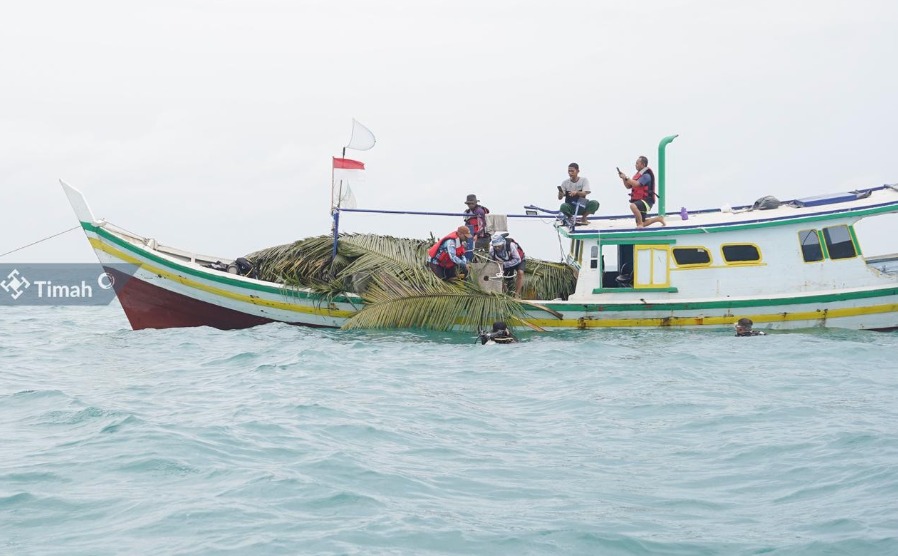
x,y
853,204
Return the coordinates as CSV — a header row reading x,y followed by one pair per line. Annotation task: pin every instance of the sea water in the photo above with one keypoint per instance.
x,y
288,440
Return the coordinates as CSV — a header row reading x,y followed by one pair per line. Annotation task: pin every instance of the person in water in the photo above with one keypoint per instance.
x,y
743,328
574,191
499,335
642,193
446,257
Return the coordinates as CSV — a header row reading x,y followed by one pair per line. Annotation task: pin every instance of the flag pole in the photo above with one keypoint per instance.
x,y
362,145
335,212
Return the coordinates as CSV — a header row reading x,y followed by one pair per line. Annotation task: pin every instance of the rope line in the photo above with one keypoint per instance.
x,y
39,241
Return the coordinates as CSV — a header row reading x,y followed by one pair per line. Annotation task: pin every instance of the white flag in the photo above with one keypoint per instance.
x,y
347,200
347,172
362,139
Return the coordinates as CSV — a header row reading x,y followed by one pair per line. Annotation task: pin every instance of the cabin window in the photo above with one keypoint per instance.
x,y
594,256
838,242
741,253
691,256
811,249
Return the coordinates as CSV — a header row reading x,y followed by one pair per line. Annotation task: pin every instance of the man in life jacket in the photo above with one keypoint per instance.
x,y
446,257
574,191
475,218
642,193
509,254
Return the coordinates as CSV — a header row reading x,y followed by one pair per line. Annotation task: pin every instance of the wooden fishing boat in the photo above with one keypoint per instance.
x,y
797,265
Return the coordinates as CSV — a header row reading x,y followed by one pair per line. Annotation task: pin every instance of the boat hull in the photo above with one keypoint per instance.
x,y
166,294
171,288
149,306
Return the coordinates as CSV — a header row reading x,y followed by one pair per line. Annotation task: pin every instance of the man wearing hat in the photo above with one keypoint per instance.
x,y
509,254
574,191
476,222
447,256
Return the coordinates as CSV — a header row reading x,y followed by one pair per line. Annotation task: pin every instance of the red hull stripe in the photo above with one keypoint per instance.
x,y
149,306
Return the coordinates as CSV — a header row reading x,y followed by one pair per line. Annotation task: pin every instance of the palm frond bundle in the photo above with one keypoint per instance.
x,y
399,290
548,280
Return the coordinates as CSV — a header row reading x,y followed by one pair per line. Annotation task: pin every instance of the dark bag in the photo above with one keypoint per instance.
x,y
766,203
508,242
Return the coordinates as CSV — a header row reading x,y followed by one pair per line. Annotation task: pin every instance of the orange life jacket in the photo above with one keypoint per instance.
x,y
476,221
444,260
640,192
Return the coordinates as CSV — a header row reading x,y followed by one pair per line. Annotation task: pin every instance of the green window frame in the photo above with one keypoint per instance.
x,y
839,242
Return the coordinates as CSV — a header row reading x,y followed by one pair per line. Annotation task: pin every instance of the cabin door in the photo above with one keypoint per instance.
x,y
651,266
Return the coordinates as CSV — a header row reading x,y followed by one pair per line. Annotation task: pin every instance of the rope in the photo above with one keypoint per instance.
x,y
560,245
39,241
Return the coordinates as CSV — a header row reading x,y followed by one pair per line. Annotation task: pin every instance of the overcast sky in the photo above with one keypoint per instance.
x,y
211,125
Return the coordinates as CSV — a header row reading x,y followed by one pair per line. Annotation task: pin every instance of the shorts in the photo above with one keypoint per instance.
x,y
643,207
443,272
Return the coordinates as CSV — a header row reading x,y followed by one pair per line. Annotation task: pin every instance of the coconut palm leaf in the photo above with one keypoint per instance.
x,y
401,257
301,263
396,304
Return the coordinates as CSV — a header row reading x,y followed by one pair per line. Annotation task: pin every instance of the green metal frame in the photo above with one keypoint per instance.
x,y
662,173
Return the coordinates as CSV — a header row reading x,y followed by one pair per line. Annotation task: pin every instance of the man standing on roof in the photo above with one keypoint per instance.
x,y
447,256
509,254
574,191
642,193
475,218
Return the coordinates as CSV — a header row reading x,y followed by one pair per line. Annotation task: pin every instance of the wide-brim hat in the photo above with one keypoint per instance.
x,y
471,199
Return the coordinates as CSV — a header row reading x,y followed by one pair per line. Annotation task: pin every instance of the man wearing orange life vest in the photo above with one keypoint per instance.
x,y
447,256
642,193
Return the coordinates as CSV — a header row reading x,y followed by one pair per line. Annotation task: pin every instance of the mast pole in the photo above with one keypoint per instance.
x,y
662,172
335,211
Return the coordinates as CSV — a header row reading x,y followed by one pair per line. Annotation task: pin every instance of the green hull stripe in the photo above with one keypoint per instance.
x,y
631,290
615,241
729,304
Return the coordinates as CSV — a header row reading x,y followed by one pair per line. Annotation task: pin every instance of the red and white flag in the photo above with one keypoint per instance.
x,y
347,173
348,164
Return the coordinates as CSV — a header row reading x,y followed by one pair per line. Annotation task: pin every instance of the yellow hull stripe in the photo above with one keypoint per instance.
x,y
590,322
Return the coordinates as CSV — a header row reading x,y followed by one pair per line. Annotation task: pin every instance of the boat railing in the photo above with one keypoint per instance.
x,y
153,245
887,264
